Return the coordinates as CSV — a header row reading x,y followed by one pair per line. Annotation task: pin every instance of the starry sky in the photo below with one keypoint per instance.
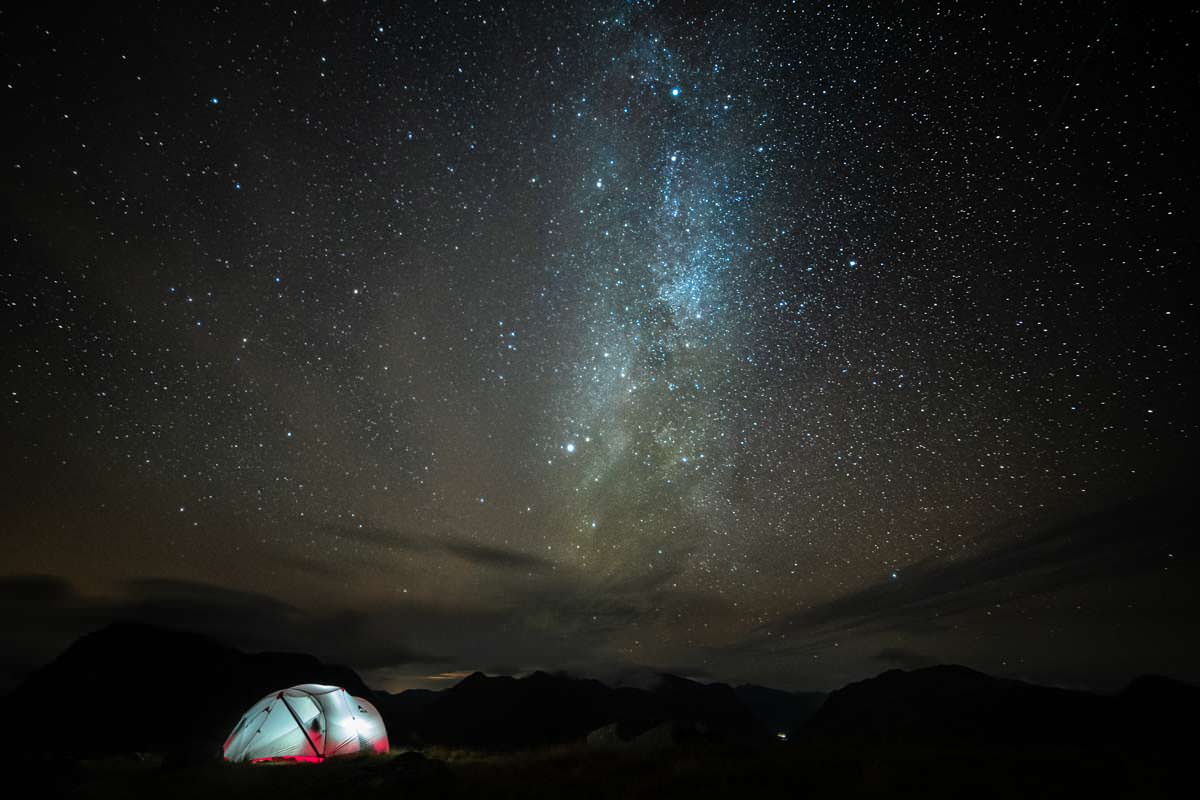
x,y
783,342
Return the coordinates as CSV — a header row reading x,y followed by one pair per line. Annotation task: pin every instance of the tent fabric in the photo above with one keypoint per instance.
x,y
309,722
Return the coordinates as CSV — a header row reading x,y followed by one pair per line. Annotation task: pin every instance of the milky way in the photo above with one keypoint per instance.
x,y
782,343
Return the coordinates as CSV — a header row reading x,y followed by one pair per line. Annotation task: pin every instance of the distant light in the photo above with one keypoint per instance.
x,y
675,91
781,736
570,448
213,100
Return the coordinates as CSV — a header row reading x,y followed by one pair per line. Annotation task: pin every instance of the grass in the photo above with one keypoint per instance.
x,y
810,770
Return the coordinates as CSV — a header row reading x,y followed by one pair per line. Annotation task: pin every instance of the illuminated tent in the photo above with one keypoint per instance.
x,y
310,722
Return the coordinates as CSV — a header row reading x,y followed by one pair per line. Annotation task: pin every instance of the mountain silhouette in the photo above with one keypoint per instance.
x,y
134,687
949,703
780,711
139,688
957,703
1162,711
504,712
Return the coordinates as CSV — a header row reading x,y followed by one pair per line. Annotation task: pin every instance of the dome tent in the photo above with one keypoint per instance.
x,y
309,722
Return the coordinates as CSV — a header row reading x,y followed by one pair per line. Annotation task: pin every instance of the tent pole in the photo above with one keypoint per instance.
x,y
300,725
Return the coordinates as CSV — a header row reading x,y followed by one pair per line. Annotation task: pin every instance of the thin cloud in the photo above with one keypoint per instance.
x,y
1099,546
484,555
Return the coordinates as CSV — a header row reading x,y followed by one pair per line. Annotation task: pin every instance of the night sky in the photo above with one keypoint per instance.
x,y
786,343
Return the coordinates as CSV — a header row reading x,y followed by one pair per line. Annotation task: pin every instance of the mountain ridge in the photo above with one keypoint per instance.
x,y
89,686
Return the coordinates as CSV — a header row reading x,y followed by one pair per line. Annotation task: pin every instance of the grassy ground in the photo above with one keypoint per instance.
x,y
813,770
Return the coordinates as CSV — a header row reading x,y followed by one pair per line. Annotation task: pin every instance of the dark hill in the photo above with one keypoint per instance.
x,y
953,703
1161,711
947,703
402,710
1156,693
133,687
713,706
482,711
506,712
780,711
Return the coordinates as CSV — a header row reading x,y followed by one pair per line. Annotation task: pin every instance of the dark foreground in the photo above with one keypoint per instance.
x,y
810,770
